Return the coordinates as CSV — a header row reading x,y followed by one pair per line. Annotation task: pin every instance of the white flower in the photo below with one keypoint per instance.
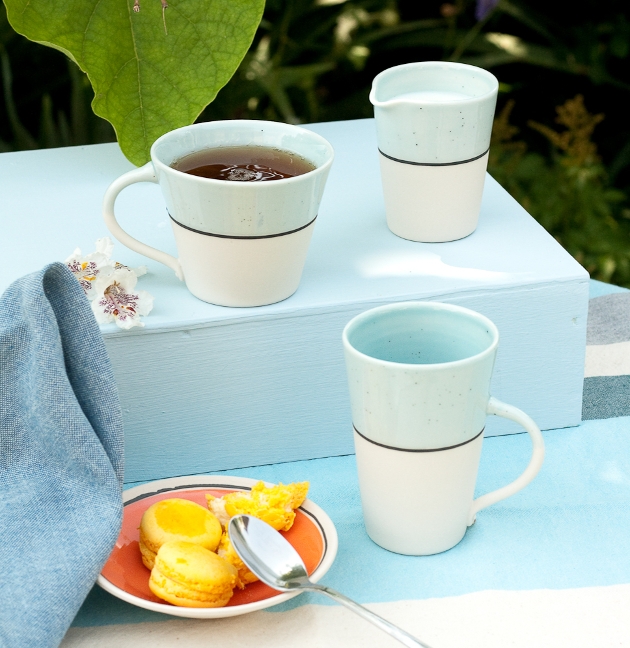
x,y
87,268
116,300
109,286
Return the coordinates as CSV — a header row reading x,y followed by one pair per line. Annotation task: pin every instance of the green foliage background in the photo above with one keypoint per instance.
x,y
145,81
314,60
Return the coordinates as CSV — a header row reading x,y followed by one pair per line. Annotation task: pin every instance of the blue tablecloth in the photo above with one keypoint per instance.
x,y
549,567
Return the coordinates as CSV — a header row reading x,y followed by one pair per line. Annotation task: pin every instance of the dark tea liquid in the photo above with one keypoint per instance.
x,y
244,164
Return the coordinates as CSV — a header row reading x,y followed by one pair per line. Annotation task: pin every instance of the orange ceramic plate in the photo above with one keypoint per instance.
x,y
313,535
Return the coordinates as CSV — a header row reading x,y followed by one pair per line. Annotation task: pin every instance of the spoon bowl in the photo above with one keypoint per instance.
x,y
268,555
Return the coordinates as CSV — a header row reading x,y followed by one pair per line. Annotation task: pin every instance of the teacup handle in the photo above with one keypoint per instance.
x,y
504,410
143,174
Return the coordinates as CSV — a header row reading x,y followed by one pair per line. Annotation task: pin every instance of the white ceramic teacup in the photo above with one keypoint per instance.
x,y
419,377
433,122
239,243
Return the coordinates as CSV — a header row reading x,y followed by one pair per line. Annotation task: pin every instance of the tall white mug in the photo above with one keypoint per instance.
x,y
238,243
433,123
419,377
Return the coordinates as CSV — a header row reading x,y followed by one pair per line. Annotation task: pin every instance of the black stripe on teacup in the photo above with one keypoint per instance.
x,y
382,445
227,236
389,157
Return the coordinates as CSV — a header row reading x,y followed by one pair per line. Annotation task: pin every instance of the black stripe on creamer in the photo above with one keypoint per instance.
x,y
389,157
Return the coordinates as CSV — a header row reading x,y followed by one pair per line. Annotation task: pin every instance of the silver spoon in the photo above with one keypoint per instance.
x,y
270,557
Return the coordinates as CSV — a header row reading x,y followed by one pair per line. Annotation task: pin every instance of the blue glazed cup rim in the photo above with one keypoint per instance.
x,y
425,307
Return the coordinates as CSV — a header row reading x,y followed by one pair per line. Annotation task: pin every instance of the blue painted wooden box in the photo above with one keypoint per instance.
x,y
206,388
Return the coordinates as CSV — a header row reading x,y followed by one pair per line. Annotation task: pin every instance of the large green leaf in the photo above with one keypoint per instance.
x,y
150,71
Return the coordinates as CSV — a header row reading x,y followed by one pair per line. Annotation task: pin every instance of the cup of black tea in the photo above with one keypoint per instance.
x,y
243,198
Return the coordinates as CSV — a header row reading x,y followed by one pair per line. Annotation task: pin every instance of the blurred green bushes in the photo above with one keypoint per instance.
x,y
565,158
569,191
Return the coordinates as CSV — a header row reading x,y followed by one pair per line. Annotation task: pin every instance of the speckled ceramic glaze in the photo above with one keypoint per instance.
x,y
419,378
239,243
433,121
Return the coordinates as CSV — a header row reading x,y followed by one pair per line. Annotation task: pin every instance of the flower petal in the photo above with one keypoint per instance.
x,y
105,246
116,304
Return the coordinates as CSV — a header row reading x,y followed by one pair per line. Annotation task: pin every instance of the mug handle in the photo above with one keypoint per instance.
x,y
504,410
145,173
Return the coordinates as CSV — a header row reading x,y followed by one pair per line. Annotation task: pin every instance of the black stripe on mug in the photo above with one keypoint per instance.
x,y
382,445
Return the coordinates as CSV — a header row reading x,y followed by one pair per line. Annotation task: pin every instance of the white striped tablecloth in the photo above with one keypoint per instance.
x,y
547,568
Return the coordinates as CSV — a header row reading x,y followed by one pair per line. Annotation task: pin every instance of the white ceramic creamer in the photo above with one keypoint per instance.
x,y
433,121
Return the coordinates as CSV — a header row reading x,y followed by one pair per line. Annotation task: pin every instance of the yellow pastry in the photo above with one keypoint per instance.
x,y
274,504
176,519
190,575
228,553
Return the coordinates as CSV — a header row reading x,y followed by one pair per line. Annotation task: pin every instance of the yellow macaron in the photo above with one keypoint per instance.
x,y
189,575
177,519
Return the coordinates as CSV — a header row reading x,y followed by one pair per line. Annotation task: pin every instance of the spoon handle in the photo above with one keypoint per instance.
x,y
396,632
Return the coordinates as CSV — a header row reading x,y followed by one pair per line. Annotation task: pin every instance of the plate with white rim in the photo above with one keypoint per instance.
x,y
313,535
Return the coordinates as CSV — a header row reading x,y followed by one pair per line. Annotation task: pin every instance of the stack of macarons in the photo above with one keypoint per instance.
x,y
188,550
177,543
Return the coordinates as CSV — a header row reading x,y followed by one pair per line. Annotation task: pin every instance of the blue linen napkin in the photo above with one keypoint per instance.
x,y
61,456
